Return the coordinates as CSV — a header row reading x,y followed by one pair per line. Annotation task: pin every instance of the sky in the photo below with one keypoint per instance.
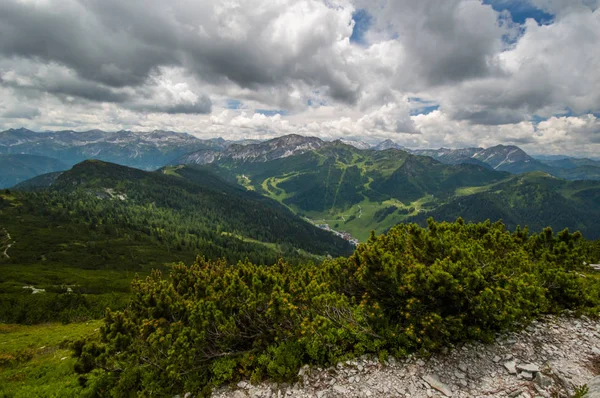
x,y
424,73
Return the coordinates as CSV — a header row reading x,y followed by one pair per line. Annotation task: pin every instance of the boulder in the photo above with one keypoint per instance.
x,y
528,367
435,383
511,367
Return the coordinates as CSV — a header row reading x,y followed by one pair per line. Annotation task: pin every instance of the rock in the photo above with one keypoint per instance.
x,y
511,367
528,367
188,395
242,384
463,367
496,359
594,388
596,351
526,375
420,362
543,380
238,394
435,383
340,390
304,370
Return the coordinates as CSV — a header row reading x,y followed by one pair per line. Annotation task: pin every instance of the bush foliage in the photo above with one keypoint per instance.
x,y
411,290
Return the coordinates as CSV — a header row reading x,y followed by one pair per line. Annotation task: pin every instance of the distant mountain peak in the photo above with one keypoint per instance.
x,y
389,144
276,148
356,144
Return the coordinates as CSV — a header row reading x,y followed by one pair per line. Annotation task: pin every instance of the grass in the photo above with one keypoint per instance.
x,y
35,361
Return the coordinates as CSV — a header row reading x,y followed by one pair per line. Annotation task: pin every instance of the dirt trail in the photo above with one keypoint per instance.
x,y
9,242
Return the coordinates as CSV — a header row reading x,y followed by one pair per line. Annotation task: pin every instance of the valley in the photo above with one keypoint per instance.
x,y
355,191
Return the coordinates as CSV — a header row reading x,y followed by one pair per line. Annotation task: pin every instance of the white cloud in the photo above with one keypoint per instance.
x,y
145,64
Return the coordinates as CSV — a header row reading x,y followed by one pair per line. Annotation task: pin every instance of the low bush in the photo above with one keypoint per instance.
x,y
411,290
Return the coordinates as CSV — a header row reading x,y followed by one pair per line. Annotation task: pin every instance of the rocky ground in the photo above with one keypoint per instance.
x,y
549,358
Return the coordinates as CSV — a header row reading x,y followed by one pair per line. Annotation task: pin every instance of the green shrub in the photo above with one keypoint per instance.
x,y
412,289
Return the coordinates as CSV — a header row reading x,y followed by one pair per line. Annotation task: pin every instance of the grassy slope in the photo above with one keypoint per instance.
x,y
359,191
35,361
345,187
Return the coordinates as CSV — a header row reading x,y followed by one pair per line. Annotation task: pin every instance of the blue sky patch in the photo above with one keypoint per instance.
x,y
233,104
422,106
424,110
362,23
271,112
521,10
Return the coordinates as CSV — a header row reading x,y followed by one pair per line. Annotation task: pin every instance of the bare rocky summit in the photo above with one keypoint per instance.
x,y
549,358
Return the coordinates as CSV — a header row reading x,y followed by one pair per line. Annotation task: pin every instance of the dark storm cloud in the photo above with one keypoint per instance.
x,y
64,86
202,106
69,34
123,43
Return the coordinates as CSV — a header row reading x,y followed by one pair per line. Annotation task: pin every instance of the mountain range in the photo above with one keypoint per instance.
x,y
18,168
350,190
144,150
508,158
154,149
341,187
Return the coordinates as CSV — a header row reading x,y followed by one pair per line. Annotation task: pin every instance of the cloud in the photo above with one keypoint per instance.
x,y
332,68
22,112
550,69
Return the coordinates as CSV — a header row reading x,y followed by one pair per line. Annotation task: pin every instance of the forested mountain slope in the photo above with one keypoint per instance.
x,y
99,223
357,191
535,200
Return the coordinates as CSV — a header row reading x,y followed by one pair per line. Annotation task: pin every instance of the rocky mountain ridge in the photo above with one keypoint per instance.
x,y
154,149
146,150
549,358
276,148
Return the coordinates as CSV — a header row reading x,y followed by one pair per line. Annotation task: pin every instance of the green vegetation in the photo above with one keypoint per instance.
x,y
339,184
84,238
413,289
36,361
338,181
535,199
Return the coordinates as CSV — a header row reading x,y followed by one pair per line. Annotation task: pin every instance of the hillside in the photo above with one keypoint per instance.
x,y
535,200
101,223
414,292
18,168
354,190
